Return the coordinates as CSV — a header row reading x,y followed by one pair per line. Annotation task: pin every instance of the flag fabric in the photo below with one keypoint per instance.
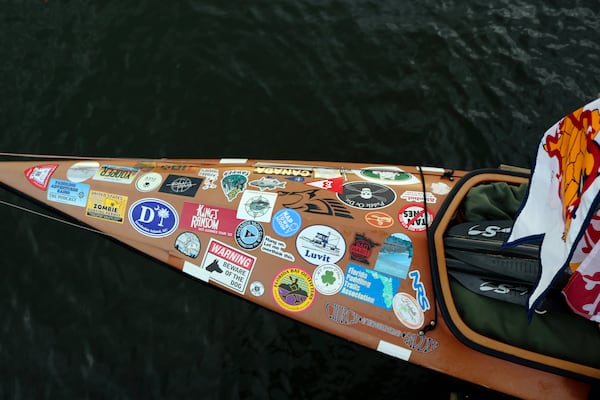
x,y
562,194
582,292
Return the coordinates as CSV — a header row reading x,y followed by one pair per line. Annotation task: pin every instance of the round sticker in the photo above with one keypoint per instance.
x,y
249,235
82,171
188,244
320,244
407,311
379,219
148,181
328,279
412,217
367,195
153,217
293,289
286,222
257,288
388,175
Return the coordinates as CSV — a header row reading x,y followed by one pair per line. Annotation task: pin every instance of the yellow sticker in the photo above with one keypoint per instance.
x,y
108,206
293,289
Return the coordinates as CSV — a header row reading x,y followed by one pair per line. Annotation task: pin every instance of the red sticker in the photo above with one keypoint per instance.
x,y
39,176
412,217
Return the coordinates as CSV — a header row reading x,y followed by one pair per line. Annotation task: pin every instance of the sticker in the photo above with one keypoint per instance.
x,y
307,201
419,289
208,219
333,184
107,206
293,289
387,175
249,235
257,206
39,176
234,183
148,181
188,244
283,170
276,247
111,173
362,248
328,279
395,255
265,183
153,217
367,195
370,286
379,219
68,192
227,266
327,173
412,217
440,188
407,311
181,185
286,222
320,244
257,288
415,196
210,176
82,171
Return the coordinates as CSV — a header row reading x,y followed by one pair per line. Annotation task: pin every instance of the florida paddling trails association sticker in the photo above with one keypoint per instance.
x,y
412,217
367,195
293,289
320,244
328,279
153,217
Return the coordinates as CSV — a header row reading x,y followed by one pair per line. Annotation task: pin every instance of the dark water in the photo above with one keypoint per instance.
x,y
459,84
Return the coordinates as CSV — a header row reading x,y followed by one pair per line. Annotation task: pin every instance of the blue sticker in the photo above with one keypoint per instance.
x,y
395,256
68,192
370,286
249,235
286,222
153,217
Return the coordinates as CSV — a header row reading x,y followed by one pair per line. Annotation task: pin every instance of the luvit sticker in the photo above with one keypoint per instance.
x,y
249,235
234,182
395,255
267,183
188,244
208,219
227,266
257,206
362,247
153,217
412,217
39,176
328,279
106,206
112,173
82,171
68,192
320,244
370,286
286,222
367,195
181,185
148,182
387,175
379,219
407,311
293,289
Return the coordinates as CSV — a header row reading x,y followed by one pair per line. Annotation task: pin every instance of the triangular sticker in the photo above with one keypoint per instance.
x,y
332,184
39,176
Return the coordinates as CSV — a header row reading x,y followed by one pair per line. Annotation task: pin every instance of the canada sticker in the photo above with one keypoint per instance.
x,y
82,171
39,176
320,244
148,182
412,217
407,311
188,244
249,235
227,266
153,217
328,279
106,206
379,219
293,289
367,195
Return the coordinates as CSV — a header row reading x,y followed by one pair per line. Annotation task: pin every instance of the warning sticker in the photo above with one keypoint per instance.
x,y
412,217
227,266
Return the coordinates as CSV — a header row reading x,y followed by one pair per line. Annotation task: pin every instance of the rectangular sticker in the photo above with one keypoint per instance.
x,y
108,206
68,192
181,185
208,219
111,173
228,266
370,286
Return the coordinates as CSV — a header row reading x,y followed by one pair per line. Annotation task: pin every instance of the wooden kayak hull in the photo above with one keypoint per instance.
x,y
342,247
